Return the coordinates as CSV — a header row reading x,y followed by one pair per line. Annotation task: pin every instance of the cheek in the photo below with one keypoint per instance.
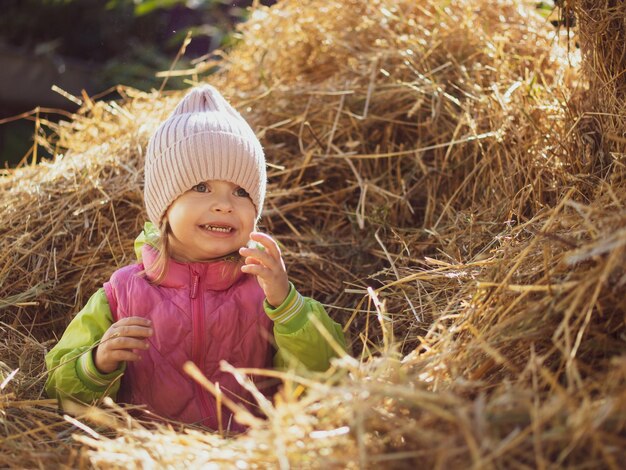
x,y
176,218
248,226
247,213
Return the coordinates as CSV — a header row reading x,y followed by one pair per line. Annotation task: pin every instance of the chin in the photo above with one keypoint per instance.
x,y
211,256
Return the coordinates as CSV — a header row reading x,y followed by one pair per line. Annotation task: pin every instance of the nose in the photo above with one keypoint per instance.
x,y
222,209
221,203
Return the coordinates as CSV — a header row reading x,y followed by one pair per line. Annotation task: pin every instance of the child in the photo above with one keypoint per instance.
x,y
198,293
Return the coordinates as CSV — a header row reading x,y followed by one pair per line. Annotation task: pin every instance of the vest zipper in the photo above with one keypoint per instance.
x,y
198,347
194,285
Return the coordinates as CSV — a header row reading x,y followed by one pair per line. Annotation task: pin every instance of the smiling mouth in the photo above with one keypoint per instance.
x,y
216,228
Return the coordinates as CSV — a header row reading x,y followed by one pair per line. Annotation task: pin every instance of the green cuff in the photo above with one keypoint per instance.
x,y
89,374
290,313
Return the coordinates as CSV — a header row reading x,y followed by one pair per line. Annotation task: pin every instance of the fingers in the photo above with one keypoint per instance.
x,y
138,321
258,257
134,327
264,262
121,355
251,260
256,270
130,331
269,256
267,242
126,343
127,334
122,342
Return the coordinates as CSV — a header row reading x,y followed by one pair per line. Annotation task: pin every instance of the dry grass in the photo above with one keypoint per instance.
x,y
448,180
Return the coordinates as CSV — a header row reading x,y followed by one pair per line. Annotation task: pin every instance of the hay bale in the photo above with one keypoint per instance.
x,y
439,154
602,33
447,119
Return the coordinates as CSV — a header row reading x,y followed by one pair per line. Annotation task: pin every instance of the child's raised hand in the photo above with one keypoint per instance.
x,y
119,342
268,267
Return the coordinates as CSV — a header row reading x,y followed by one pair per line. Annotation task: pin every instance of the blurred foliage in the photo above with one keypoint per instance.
x,y
122,41
545,8
126,41
145,7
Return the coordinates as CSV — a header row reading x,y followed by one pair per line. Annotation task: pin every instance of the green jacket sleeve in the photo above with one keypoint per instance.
x,y
71,370
298,339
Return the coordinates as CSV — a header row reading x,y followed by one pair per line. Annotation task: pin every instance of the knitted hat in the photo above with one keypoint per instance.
x,y
203,139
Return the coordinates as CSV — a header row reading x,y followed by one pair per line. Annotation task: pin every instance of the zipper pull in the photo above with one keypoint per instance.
x,y
194,285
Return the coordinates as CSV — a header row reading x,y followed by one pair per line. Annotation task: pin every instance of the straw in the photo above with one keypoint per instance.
x,y
445,177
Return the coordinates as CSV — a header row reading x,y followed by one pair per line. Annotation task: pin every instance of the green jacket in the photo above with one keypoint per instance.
x,y
71,368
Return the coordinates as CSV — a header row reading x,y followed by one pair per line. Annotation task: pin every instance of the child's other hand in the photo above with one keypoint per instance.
x,y
120,341
268,267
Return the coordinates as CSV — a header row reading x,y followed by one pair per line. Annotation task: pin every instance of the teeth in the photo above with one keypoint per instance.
x,y
215,228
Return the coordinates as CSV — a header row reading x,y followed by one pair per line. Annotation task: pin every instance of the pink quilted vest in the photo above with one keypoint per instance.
x,y
201,312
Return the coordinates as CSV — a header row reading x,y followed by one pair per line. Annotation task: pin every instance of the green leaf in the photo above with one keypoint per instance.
x,y
145,7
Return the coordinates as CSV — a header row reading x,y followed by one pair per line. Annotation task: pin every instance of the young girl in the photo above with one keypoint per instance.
x,y
199,293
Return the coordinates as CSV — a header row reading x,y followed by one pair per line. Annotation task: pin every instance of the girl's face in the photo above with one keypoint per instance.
x,y
212,219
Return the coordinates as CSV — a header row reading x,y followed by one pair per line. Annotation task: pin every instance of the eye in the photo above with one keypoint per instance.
x,y
241,192
200,187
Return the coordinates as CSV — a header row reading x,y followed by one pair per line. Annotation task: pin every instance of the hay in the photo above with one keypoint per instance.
x,y
602,34
440,177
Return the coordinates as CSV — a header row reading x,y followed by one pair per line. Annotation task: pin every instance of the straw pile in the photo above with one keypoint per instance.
x,y
442,177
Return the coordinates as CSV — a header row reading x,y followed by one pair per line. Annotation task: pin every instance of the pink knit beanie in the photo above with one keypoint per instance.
x,y
203,139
